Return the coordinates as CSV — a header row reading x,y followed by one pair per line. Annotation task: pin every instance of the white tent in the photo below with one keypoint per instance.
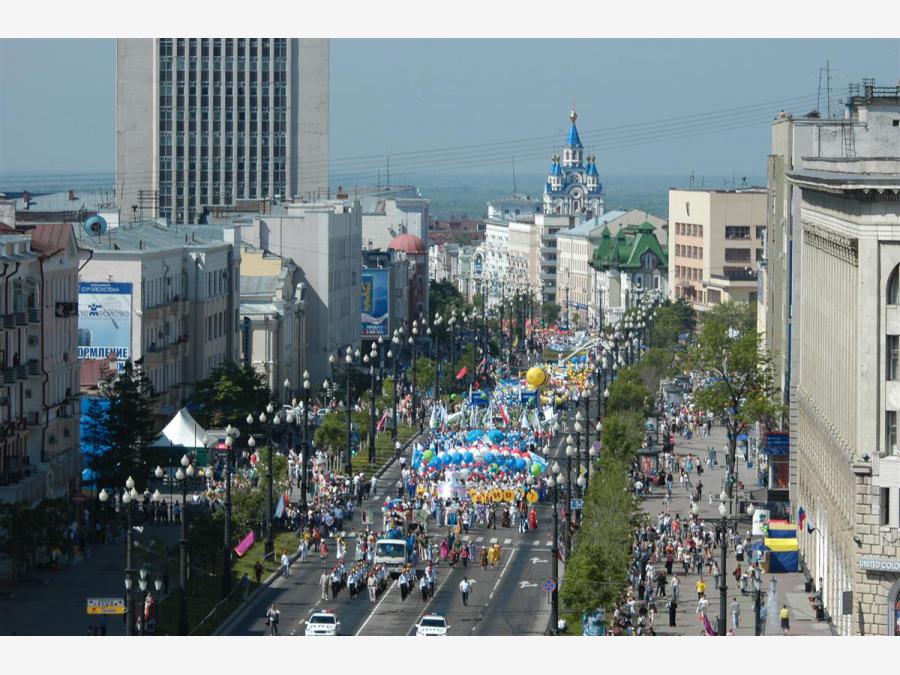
x,y
182,431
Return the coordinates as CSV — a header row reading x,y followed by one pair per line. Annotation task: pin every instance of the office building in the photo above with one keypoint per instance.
x,y
716,238
210,122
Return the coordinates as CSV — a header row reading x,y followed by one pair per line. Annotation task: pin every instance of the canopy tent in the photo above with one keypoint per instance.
x,y
784,555
782,530
184,433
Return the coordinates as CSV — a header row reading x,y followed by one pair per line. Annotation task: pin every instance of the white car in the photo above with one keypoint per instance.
x,y
433,624
323,623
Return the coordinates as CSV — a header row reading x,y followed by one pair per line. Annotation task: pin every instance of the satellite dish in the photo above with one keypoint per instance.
x,y
96,225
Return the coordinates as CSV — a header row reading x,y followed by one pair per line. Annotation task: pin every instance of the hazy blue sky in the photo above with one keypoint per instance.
x,y
57,101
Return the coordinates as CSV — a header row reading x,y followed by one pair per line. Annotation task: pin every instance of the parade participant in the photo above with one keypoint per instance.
x,y
373,588
272,617
403,581
464,587
285,564
532,520
423,585
323,550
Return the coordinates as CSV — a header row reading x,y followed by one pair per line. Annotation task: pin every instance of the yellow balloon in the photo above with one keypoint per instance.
x,y
531,496
536,377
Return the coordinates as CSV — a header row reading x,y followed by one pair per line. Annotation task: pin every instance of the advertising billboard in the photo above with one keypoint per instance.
x,y
375,286
104,320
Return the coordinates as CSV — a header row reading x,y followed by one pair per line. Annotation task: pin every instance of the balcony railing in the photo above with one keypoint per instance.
x,y
21,318
34,367
34,315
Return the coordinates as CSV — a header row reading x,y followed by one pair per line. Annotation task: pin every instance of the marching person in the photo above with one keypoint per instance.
x,y
464,587
272,619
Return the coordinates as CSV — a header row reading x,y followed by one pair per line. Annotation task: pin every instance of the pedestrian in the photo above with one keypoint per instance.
x,y
285,564
272,617
676,589
735,614
323,584
323,550
404,584
258,572
785,620
672,606
701,588
245,585
335,582
423,585
464,587
373,588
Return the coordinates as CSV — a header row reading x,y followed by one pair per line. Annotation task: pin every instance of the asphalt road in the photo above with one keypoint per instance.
x,y
505,600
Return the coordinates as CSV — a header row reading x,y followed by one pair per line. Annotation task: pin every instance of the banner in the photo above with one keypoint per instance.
x,y
104,321
245,544
375,285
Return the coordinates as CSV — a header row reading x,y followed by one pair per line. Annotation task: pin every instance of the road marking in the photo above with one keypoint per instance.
x,y
493,540
526,584
507,542
549,543
430,600
535,560
383,596
478,540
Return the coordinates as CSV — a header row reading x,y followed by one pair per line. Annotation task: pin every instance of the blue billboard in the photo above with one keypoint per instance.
x,y
104,320
375,286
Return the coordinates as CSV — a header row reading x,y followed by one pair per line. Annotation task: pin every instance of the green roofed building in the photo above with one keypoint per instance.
x,y
627,264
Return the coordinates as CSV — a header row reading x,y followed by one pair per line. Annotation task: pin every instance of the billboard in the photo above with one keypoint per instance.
x,y
375,286
104,320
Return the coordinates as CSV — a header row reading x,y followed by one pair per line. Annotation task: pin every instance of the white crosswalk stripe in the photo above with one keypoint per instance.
x,y
549,543
493,540
507,542
478,540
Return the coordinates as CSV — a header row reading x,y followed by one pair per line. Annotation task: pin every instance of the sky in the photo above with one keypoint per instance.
x,y
644,106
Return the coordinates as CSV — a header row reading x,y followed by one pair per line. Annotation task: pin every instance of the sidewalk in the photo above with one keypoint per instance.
x,y
53,602
790,586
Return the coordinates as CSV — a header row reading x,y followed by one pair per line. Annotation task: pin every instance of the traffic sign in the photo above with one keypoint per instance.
x,y
576,504
549,585
105,606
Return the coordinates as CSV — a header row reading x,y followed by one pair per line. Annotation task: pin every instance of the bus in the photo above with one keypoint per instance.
x,y
392,554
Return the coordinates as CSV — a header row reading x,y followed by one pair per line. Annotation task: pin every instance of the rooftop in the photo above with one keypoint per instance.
x,y
151,236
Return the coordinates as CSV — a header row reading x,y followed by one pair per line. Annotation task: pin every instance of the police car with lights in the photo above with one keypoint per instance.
x,y
324,624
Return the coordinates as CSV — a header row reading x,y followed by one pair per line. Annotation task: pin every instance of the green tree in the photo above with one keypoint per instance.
x,y
425,369
550,311
94,425
130,429
229,394
741,389
666,328
629,393
623,434
443,298
655,365
597,572
331,435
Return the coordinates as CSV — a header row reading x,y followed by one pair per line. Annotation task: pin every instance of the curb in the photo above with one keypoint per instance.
x,y
244,609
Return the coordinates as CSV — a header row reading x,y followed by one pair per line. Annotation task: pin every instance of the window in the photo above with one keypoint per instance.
x,y
891,431
760,231
893,357
893,288
737,232
884,511
737,254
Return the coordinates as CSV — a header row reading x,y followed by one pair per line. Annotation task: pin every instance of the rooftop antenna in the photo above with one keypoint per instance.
x,y
828,85
692,179
514,174
819,93
388,182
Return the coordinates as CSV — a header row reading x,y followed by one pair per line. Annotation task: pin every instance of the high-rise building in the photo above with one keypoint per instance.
x,y
215,121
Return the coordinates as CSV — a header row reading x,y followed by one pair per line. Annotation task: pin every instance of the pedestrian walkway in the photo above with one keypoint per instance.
x,y
789,586
53,602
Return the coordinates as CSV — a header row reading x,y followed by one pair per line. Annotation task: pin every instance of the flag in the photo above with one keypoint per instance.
x,y
504,415
537,459
524,421
481,365
382,422
801,517
516,341
462,373
280,508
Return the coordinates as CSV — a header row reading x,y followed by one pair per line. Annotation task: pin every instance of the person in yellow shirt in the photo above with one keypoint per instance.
x,y
701,588
785,620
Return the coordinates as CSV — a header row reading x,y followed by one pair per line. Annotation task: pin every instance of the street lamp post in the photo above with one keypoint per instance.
x,y
370,359
231,435
438,321
570,451
394,356
129,495
348,453
723,572
412,342
185,471
555,483
304,459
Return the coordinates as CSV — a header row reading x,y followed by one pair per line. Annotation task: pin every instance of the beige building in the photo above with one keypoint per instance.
x,y
845,383
716,238
39,390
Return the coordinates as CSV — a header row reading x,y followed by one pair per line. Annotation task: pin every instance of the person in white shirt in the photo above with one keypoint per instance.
x,y
464,587
373,588
285,564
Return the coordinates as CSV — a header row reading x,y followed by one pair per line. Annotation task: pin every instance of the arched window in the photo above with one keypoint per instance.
x,y
893,287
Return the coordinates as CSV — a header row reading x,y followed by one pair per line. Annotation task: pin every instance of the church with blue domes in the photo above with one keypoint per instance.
x,y
573,184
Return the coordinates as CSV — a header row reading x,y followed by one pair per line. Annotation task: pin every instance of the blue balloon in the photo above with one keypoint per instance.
x,y
435,461
468,457
489,457
520,464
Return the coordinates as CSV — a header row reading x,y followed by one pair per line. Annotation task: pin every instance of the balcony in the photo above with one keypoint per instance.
x,y
25,485
9,376
21,372
9,321
34,315
21,318
33,366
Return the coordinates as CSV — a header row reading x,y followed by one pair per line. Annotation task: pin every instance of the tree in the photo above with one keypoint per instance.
x,y
741,388
550,311
425,370
331,435
623,434
443,298
628,393
130,429
229,394
597,572
666,328
686,314
654,366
